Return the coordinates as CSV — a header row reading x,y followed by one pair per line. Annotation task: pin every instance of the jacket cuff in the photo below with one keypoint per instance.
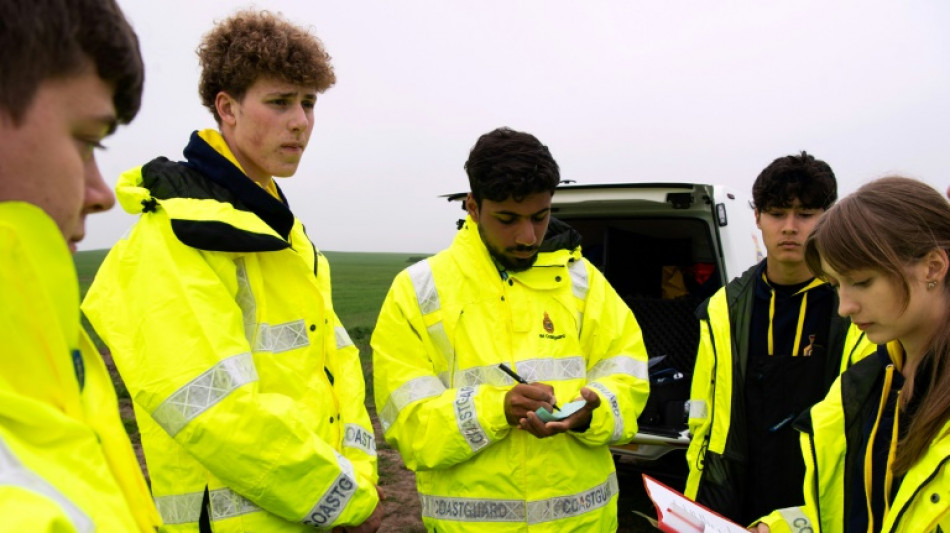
x,y
492,411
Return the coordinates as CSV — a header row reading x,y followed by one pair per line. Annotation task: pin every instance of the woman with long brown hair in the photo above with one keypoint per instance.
x,y
877,447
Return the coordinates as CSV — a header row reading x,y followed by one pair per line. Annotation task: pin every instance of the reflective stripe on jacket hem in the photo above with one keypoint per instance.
x,y
14,473
186,508
531,512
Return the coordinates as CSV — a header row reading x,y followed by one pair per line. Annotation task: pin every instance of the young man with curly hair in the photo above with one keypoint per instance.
x,y
771,344
512,289
217,308
70,72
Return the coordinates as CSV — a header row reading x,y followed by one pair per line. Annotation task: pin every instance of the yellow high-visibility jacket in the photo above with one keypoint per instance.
x,y
446,324
66,463
717,451
832,445
247,389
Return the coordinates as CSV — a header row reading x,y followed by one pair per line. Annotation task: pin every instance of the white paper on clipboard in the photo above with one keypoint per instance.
x,y
679,514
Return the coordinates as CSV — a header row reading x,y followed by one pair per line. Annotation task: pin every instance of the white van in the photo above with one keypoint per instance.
x,y
665,247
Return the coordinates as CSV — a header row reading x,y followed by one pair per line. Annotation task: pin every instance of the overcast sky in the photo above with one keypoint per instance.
x,y
620,91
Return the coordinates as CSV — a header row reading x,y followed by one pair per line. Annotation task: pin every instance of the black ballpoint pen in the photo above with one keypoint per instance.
x,y
519,379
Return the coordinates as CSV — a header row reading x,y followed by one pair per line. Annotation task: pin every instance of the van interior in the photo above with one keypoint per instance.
x,y
663,267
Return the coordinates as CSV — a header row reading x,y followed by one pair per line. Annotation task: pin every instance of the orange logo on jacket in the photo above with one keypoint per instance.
x,y
548,325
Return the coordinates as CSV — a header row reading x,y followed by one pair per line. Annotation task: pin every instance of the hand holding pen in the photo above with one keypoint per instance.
x,y
521,380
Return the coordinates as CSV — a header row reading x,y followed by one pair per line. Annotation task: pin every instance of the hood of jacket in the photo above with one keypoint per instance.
x,y
211,203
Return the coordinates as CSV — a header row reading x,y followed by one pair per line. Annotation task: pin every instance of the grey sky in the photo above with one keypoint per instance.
x,y
620,91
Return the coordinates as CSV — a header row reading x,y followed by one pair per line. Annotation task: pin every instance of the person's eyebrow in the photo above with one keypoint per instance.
x,y
513,214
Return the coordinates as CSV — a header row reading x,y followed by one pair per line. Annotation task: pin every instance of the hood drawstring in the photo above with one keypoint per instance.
x,y
801,313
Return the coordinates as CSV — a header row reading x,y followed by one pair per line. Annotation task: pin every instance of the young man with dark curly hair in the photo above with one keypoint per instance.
x,y
771,344
217,308
70,72
512,289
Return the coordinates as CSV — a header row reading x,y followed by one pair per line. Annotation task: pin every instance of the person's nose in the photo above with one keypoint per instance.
x,y
846,305
789,224
98,194
300,118
527,235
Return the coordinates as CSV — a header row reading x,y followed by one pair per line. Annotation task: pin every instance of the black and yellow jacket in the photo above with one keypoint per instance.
x,y
843,471
718,452
247,390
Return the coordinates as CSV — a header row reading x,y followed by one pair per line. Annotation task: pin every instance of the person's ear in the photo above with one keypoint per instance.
x,y
226,106
758,215
936,264
472,207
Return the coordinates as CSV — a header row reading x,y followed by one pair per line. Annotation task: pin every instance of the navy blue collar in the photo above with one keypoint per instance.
x,y
201,157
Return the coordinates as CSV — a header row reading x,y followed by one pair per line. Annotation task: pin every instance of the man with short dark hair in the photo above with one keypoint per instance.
x,y
70,72
771,344
512,289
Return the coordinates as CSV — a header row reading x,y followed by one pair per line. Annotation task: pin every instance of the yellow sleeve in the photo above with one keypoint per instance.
x,y
612,341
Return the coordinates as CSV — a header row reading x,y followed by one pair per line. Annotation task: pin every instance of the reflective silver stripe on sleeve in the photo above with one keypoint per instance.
x,y
698,409
426,293
201,393
356,436
579,281
620,364
552,369
409,392
342,338
16,474
180,508
532,512
574,505
797,521
281,337
467,418
331,504
614,409
186,508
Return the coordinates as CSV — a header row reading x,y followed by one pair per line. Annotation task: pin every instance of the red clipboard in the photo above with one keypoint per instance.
x,y
679,514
